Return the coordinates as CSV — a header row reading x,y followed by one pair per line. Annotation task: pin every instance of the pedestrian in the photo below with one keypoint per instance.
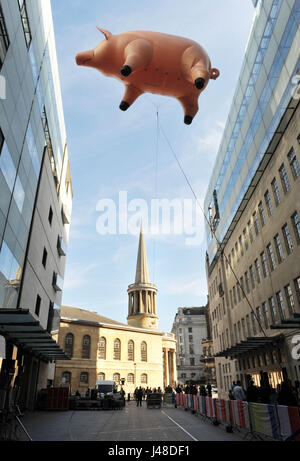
x,y
286,396
203,391
230,395
233,385
252,392
139,397
273,396
238,392
208,387
264,393
135,394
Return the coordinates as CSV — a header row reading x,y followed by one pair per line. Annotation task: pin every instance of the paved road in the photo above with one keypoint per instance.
x,y
130,424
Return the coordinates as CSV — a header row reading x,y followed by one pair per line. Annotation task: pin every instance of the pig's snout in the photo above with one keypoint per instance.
x,y
82,59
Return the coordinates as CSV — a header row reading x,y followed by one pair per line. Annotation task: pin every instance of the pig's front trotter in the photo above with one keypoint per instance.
x,y
124,105
125,71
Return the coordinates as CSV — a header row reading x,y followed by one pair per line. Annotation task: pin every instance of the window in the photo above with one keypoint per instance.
x,y
247,281
259,316
264,264
234,295
250,231
241,245
190,338
262,213
287,239
276,192
278,247
116,378
25,22
258,273
265,314
102,349
101,376
284,178
296,226
117,349
252,276
69,342
144,378
38,305
256,223
297,288
66,377
86,347
253,323
144,352
244,329
271,257
50,215
190,330
130,378
44,260
4,39
281,305
192,361
130,350
191,349
7,165
289,299
294,163
245,239
273,309
268,203
84,377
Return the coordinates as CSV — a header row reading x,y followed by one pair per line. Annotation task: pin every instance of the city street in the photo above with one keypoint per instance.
x,y
131,424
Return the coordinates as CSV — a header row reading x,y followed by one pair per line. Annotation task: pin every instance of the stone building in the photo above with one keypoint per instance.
x,y
253,207
190,328
35,197
102,348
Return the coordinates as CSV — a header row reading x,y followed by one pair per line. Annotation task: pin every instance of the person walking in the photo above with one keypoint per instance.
x,y
238,392
286,395
208,387
252,392
139,396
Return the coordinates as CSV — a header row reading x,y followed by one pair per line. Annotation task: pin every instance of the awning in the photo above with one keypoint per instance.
x,y
23,330
251,344
291,323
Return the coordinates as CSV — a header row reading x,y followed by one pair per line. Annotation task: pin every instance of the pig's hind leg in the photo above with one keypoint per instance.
x,y
131,94
138,55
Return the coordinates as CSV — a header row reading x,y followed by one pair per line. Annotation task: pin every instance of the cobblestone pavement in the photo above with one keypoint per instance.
x,y
130,424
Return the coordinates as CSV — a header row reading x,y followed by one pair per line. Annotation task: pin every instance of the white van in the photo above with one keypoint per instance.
x,y
106,387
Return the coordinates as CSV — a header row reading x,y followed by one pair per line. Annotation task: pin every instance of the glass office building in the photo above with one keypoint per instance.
x,y
266,83
35,186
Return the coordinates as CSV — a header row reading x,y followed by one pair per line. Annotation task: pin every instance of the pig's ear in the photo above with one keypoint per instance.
x,y
106,33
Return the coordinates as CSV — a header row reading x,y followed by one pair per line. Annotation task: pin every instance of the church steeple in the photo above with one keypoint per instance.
x,y
142,273
142,294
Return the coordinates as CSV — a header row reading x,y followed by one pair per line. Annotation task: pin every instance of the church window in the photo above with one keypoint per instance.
x,y
102,348
144,352
130,350
116,378
130,378
101,376
84,377
144,378
69,342
86,347
117,349
66,377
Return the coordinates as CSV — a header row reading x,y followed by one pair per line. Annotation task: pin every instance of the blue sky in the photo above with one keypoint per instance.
x,y
113,151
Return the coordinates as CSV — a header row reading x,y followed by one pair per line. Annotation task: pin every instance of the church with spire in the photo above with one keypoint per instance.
x,y
104,349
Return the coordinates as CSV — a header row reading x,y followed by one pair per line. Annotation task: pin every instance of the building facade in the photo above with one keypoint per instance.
x,y
101,348
190,328
35,195
252,202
